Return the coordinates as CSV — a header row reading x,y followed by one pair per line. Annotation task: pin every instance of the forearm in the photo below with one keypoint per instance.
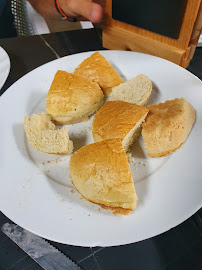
x,y
80,9
46,8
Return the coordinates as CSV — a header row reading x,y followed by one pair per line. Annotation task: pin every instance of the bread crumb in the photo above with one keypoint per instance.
x,y
71,191
56,160
88,128
81,132
62,200
142,163
53,161
130,157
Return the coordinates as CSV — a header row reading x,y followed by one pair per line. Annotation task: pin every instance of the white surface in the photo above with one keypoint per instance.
x,y
4,66
38,23
86,25
35,189
200,41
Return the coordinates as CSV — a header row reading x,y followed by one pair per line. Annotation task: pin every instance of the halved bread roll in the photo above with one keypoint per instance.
x,y
100,172
167,126
97,68
43,136
71,99
118,119
136,90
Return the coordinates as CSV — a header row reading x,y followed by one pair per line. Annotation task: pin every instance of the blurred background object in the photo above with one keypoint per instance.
x,y
28,22
166,29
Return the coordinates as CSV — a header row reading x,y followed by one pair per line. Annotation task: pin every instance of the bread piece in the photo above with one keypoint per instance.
x,y
137,90
41,134
97,68
118,119
71,99
101,174
167,126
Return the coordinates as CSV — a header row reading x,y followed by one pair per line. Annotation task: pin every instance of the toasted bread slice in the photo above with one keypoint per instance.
x,y
71,99
97,68
167,126
43,136
101,174
118,119
136,90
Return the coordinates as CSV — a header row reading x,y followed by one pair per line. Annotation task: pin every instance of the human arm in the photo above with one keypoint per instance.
x,y
79,9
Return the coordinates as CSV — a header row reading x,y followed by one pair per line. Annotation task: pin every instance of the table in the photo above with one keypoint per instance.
x,y
178,249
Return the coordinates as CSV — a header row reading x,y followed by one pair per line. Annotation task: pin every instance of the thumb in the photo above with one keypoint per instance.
x,y
84,8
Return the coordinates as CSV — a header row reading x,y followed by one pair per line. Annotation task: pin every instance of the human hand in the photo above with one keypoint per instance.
x,y
84,10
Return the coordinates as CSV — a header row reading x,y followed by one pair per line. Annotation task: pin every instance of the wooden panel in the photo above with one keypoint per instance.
x,y
121,39
196,33
186,30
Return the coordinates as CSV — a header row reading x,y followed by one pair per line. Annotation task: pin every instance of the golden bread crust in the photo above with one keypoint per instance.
x,y
72,99
97,68
115,210
167,126
115,119
101,173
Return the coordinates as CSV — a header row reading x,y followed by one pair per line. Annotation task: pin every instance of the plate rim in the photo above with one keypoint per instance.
x,y
9,67
182,219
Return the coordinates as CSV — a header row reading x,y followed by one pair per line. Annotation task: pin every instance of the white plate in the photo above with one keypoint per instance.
x,y
35,189
4,66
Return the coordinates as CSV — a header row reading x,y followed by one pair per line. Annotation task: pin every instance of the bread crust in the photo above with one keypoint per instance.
x,y
101,173
97,68
167,126
71,99
115,210
115,119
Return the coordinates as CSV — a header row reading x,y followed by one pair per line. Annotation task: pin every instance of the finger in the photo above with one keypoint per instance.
x,y
84,8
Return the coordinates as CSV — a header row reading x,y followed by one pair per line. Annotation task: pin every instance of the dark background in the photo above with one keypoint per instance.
x,y
160,16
